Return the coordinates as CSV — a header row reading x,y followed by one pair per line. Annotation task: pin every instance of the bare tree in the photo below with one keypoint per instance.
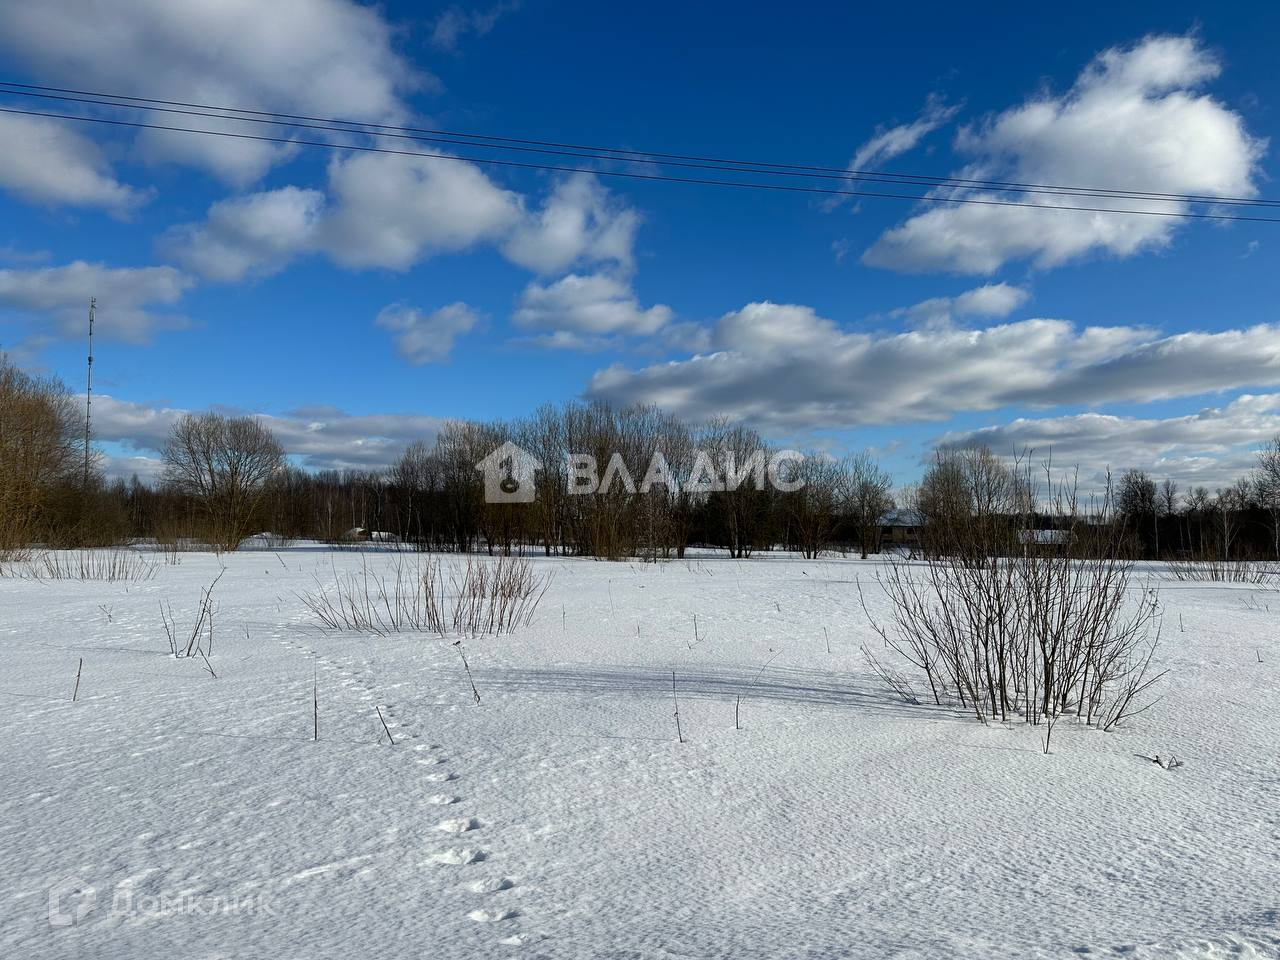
x,y
1167,505
1230,503
40,435
225,464
814,507
1267,486
1136,505
867,500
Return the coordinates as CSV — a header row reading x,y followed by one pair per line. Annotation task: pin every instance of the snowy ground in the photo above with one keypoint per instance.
x,y
560,817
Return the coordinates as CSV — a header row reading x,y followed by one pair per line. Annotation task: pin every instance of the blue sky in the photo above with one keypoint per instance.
x,y
358,300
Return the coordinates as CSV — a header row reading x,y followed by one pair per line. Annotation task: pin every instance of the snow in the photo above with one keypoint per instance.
x,y
560,818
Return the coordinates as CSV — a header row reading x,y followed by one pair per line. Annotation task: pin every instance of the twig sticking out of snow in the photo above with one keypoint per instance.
x,y
467,667
676,701
390,738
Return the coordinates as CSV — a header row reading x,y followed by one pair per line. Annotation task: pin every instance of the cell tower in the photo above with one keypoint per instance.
x,y
88,395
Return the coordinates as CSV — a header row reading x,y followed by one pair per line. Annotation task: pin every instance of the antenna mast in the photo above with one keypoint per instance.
x,y
88,394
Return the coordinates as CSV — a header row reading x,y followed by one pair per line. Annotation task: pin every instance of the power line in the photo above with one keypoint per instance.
x,y
634,175
425,134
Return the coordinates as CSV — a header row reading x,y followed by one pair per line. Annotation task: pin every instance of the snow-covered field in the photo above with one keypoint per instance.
x,y
561,818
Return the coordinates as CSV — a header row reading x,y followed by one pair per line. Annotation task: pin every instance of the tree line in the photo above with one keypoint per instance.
x,y
226,478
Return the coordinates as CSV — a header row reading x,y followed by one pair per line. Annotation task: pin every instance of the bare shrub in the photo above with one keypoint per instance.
x,y
1214,570
108,566
498,596
414,595
407,597
199,642
1026,632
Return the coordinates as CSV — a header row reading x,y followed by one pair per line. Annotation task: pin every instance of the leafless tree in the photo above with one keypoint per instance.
x,y
225,464
868,498
814,508
1167,506
1267,486
41,431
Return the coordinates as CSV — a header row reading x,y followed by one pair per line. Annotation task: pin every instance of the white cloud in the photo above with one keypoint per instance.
x,y
125,297
786,368
894,141
321,438
991,300
381,211
579,308
392,211
1132,121
329,58
253,235
579,222
427,337
1211,447
46,161
455,23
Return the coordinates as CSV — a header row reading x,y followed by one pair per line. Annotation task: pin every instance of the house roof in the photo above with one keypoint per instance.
x,y
902,518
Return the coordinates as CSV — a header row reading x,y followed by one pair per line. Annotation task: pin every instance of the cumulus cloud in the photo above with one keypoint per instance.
x,y
578,310
427,337
320,438
1133,120
317,57
991,300
48,162
579,222
890,142
127,297
1210,447
254,235
785,368
392,212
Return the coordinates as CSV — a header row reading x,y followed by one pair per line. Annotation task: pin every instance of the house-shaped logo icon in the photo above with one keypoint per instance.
x,y
509,475
69,901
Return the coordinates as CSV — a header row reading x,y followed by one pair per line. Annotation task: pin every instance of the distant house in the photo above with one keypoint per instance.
x,y
1045,541
361,535
900,529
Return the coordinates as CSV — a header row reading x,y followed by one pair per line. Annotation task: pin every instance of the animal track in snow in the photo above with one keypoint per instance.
x,y
459,856
492,916
492,885
458,825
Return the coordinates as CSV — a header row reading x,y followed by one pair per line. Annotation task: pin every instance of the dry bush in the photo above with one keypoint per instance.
x,y
1256,572
497,596
109,566
1031,633
414,595
407,597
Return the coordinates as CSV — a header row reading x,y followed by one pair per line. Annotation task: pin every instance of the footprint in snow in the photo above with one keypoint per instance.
x,y
458,825
492,916
492,885
460,856
443,799
440,777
